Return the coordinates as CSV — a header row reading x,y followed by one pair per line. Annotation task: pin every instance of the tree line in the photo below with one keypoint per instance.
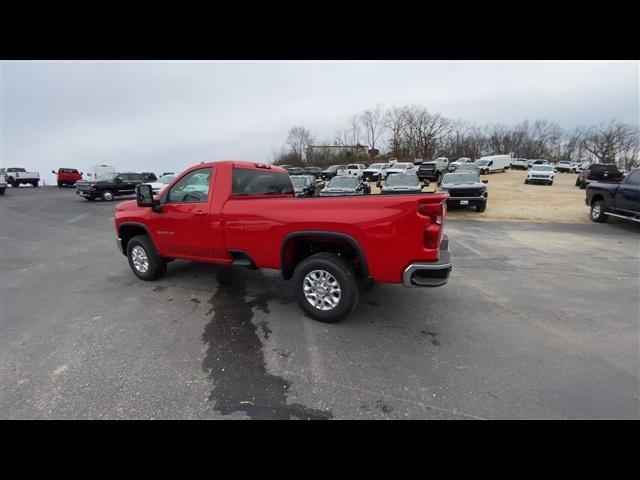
x,y
412,132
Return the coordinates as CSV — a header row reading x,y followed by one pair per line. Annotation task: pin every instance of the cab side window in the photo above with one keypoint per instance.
x,y
192,188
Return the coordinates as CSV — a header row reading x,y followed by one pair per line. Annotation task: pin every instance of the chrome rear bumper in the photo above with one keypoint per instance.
x,y
430,274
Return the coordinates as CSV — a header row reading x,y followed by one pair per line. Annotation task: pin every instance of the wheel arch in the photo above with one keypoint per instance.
x,y
287,265
128,230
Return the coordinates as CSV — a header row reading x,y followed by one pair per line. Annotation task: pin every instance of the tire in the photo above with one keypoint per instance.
x,y
526,182
35,184
2,191
337,269
107,195
12,182
551,183
578,182
481,208
597,212
145,263
59,184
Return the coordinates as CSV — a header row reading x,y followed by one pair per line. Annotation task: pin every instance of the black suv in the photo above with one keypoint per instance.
x,y
113,186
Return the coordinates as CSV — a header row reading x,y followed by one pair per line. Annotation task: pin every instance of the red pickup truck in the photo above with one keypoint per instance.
x,y
245,214
67,176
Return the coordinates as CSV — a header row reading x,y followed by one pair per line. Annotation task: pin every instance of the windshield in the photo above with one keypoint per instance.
x,y
542,168
343,182
402,180
401,166
376,166
462,177
166,179
333,168
299,182
482,162
106,176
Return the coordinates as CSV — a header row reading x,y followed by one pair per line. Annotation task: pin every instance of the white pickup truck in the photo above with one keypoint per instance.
x,y
16,176
3,184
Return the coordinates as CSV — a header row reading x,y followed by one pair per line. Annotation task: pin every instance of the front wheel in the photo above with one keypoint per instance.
x,y
107,195
597,212
143,259
59,184
325,287
481,208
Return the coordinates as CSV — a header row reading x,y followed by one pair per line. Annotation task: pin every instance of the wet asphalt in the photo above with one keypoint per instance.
x,y
538,321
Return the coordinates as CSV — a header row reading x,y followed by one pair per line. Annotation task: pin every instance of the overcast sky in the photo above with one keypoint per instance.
x,y
165,115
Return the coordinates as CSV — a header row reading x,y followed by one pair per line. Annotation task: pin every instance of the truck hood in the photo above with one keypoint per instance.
x,y
128,205
453,186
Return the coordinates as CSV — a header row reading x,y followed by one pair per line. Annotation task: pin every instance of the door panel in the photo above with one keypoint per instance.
x,y
183,227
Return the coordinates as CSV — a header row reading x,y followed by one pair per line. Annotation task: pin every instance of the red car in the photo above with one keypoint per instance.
x,y
245,214
67,176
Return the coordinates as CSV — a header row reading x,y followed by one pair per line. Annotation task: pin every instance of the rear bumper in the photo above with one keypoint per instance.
x,y
430,274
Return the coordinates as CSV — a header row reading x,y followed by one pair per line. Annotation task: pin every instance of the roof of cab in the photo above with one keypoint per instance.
x,y
246,164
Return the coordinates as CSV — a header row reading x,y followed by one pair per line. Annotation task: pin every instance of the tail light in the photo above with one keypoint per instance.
x,y
436,213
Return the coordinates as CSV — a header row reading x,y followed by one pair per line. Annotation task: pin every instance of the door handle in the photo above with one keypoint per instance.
x,y
199,213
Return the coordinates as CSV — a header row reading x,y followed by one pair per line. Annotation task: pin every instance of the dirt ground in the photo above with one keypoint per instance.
x,y
510,199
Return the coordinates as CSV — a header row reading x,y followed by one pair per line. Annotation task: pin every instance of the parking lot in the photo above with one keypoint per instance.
x,y
539,320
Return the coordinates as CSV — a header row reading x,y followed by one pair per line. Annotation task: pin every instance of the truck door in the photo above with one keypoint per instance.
x,y
183,228
628,194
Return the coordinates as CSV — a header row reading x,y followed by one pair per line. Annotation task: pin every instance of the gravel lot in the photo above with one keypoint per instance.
x,y
511,199
539,320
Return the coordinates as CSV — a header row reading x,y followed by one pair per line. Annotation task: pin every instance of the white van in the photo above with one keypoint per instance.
x,y
99,172
494,163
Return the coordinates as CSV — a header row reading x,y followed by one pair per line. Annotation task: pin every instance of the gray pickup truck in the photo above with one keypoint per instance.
x,y
615,199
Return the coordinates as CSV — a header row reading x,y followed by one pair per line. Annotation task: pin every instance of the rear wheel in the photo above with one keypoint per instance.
x,y
143,259
325,287
597,212
59,184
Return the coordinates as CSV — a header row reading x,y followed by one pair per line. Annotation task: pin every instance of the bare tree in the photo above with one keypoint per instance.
x,y
299,140
373,124
607,141
395,122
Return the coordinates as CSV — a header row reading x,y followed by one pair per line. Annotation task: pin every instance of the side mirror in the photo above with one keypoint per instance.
x,y
144,197
485,181
53,171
